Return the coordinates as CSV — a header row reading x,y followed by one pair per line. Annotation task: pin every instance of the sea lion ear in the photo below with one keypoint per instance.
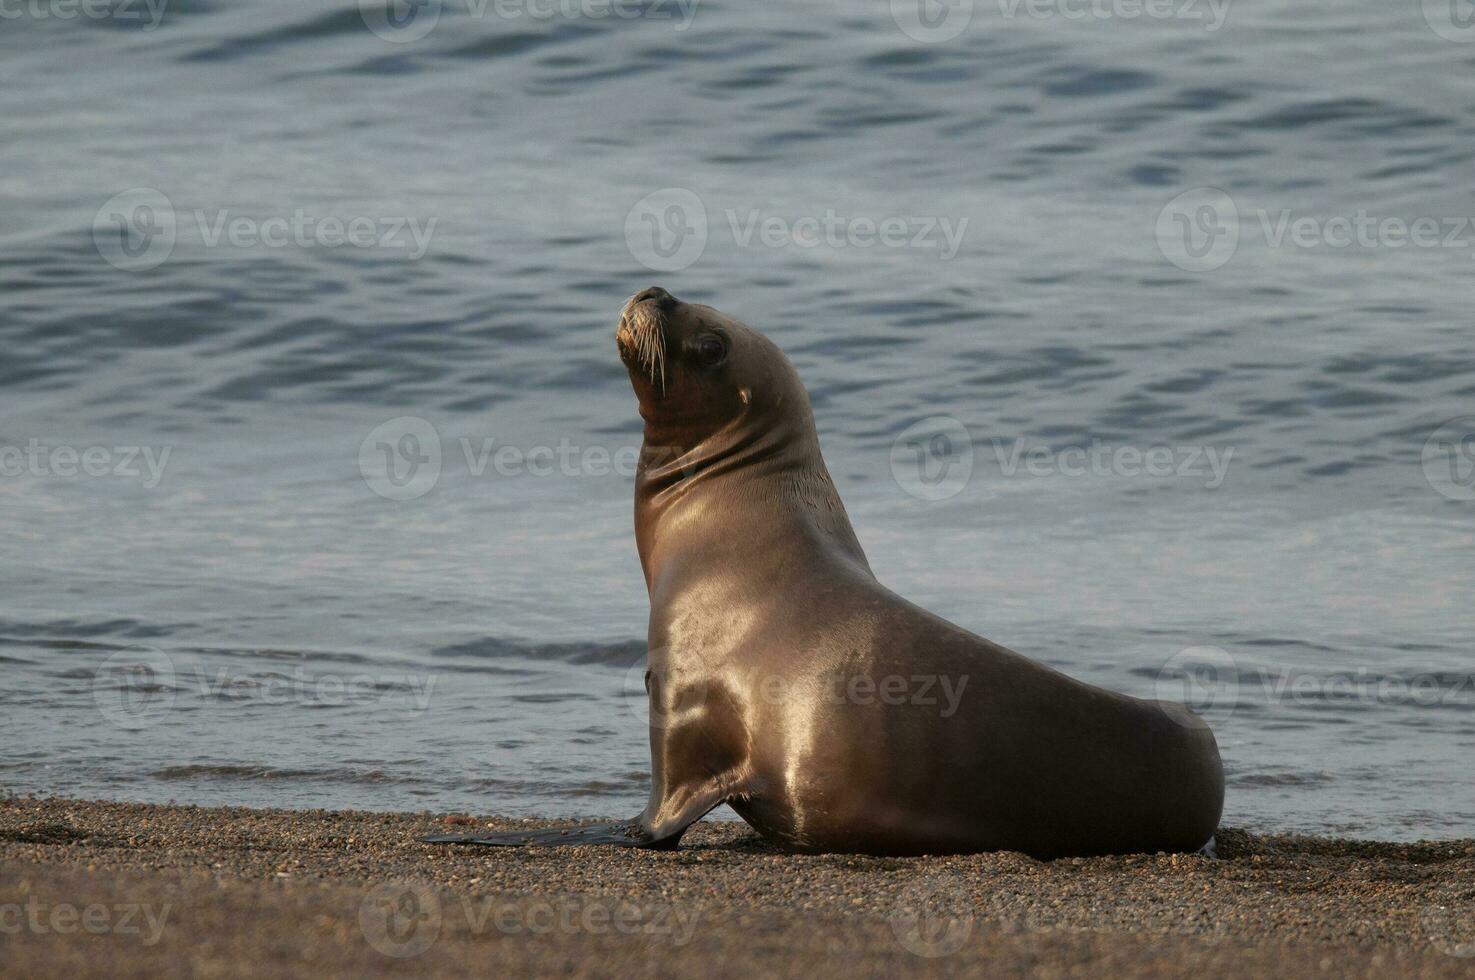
x,y
745,395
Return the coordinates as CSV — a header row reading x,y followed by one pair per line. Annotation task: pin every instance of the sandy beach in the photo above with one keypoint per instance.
x,y
116,889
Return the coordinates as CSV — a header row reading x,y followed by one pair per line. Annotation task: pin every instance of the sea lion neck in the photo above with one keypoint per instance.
x,y
762,472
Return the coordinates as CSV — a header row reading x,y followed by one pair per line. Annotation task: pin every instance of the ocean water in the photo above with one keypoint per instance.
x,y
1139,340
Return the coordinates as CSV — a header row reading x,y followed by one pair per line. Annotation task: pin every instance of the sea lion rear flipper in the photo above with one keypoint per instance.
x,y
628,834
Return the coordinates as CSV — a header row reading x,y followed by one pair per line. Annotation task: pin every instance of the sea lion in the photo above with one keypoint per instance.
x,y
830,713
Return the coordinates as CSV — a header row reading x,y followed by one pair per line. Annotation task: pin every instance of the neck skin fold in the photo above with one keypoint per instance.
x,y
745,490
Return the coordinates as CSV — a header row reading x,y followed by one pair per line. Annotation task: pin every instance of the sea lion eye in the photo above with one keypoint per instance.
x,y
711,349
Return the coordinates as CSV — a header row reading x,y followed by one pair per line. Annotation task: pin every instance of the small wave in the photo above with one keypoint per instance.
x,y
253,772
505,45
79,634
1095,82
561,697
1251,780
603,787
623,654
1361,116
283,654
347,21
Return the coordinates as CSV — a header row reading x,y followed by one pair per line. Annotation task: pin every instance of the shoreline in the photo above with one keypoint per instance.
x,y
91,888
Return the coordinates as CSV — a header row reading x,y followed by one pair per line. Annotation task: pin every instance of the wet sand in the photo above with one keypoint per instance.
x,y
114,889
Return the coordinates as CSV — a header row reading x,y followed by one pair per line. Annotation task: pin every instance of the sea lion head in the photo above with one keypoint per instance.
x,y
721,403
698,372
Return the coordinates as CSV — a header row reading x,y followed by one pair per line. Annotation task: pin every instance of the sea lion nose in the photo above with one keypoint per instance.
x,y
664,299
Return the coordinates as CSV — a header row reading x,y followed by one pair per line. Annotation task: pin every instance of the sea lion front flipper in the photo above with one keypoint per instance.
x,y
698,761
662,832
628,834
